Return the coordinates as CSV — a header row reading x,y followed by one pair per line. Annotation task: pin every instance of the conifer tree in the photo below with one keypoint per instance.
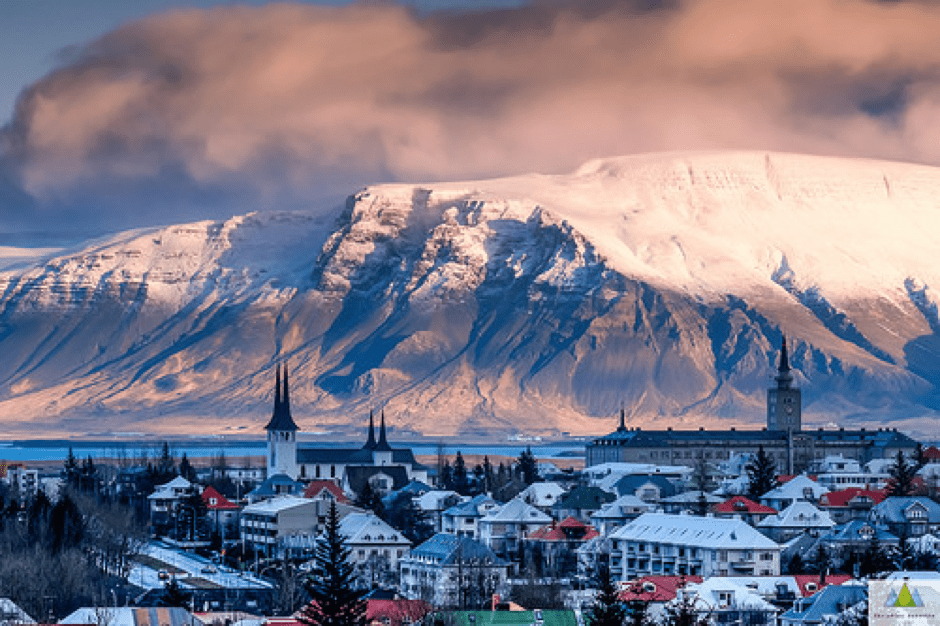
x,y
371,500
528,467
761,473
187,470
173,595
333,599
460,479
902,474
607,609
70,469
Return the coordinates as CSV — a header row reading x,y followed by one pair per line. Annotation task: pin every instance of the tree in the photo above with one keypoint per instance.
x,y
607,610
166,465
528,467
461,481
333,599
371,500
703,484
173,595
66,525
873,560
820,562
408,517
446,478
683,612
920,456
902,474
70,469
187,470
761,473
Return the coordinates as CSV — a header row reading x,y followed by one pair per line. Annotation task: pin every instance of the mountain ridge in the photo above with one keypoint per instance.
x,y
535,304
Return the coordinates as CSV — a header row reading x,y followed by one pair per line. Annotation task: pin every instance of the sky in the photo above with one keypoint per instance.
x,y
118,114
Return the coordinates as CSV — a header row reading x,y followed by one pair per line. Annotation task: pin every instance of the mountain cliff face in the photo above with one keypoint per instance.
x,y
662,284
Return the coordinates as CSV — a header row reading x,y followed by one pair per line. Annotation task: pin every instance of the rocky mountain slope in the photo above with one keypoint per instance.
x,y
539,304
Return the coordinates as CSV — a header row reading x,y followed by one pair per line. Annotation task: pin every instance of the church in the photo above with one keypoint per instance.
x,y
792,448
377,462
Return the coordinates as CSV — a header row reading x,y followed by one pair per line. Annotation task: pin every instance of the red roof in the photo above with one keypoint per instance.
x,y
397,612
215,501
556,531
316,487
655,588
740,504
843,496
785,478
932,453
812,580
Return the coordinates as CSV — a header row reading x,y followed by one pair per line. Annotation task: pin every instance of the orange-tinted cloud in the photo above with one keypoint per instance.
x,y
286,102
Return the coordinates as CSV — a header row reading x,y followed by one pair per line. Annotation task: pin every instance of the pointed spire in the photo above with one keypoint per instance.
x,y
382,445
370,442
623,421
281,418
784,377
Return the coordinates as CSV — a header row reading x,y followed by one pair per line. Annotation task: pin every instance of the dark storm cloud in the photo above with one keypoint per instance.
x,y
233,108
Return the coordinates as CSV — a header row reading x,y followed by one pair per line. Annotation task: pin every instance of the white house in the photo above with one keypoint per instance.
x,y
503,529
451,571
269,524
661,544
463,519
798,488
798,518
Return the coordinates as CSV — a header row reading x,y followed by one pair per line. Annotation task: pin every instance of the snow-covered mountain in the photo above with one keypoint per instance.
x,y
538,304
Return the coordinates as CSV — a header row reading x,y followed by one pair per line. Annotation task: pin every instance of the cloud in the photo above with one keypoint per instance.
x,y
235,108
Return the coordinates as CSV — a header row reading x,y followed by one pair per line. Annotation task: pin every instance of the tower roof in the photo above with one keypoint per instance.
x,y
281,419
370,442
382,445
784,377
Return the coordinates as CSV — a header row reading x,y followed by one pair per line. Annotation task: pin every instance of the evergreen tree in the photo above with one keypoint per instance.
x,y
187,470
446,478
874,560
371,500
761,474
528,467
488,475
70,469
607,610
192,518
902,474
66,525
820,562
333,599
410,519
166,465
920,456
461,481
88,476
683,612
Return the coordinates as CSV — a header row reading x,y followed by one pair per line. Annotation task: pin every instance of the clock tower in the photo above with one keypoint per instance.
x,y
783,401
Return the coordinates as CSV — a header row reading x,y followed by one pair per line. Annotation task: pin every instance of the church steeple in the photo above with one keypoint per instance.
x,y
370,442
281,419
623,422
382,445
784,377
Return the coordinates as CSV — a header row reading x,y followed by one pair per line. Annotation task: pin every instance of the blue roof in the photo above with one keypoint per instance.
x,y
267,488
446,549
470,508
852,532
892,509
829,602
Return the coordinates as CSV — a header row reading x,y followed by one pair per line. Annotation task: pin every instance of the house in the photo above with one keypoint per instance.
x,y
825,605
435,502
606,475
285,522
223,513
742,508
655,592
852,538
503,529
581,502
11,614
395,611
837,472
690,502
798,488
911,516
850,504
23,481
542,495
657,543
131,616
798,518
729,600
273,486
374,547
463,519
619,512
452,571
646,487
553,548
166,499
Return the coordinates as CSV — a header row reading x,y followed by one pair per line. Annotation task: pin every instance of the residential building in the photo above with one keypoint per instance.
x,y
581,503
223,513
463,519
743,508
451,571
166,499
23,481
911,516
325,490
849,540
267,525
657,543
729,600
273,486
690,502
646,487
850,504
435,502
553,548
798,488
799,518
824,606
375,548
503,529
619,512
542,495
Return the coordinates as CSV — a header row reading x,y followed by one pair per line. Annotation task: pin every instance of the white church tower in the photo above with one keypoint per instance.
x,y
282,432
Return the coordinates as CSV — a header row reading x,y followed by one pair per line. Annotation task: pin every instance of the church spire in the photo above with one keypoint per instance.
x,y
382,445
623,421
281,419
784,377
370,442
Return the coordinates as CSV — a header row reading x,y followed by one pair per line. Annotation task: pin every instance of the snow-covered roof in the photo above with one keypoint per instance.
x,y
799,488
277,504
177,483
131,616
800,514
709,593
435,500
689,530
542,494
621,507
360,528
13,614
516,511
692,497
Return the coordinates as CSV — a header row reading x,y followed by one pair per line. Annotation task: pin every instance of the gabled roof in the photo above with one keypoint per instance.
x,y
316,487
858,531
470,508
691,497
689,530
828,602
585,498
358,475
796,488
618,508
656,588
131,616
447,549
800,514
517,511
844,496
210,494
893,509
745,506
360,528
709,595
569,529
542,493
269,486
630,484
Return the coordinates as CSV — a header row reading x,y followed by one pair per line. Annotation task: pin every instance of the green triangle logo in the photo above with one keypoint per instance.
x,y
905,599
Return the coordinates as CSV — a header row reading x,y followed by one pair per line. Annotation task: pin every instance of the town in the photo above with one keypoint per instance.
x,y
774,526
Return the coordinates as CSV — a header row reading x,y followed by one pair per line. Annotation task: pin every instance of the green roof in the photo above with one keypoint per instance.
x,y
513,618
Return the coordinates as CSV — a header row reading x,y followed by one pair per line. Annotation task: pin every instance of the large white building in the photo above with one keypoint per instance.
x,y
269,525
660,544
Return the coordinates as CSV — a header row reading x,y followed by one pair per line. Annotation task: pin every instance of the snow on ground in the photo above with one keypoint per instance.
x,y
188,566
